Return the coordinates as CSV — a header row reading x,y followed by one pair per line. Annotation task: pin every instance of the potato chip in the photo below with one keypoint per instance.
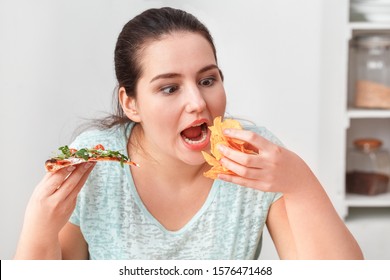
x,y
216,169
217,137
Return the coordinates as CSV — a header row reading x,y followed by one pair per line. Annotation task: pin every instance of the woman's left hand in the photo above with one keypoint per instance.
x,y
272,168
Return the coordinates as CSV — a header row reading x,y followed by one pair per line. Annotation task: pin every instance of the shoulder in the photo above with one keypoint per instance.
x,y
109,138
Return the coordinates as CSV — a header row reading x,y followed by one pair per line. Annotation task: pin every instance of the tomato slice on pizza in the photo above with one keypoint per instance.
x,y
70,156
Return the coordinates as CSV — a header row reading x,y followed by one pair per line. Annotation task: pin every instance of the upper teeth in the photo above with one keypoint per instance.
x,y
204,136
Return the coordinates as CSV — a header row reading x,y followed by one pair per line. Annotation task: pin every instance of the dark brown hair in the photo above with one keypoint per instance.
x,y
148,26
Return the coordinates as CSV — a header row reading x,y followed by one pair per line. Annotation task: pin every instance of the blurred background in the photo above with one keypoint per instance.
x,y
283,62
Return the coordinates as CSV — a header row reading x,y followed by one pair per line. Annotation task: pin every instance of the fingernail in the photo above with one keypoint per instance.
x,y
88,165
71,168
221,148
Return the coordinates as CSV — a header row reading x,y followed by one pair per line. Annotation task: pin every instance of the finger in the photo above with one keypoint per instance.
x,y
53,180
73,194
75,180
247,136
241,170
248,160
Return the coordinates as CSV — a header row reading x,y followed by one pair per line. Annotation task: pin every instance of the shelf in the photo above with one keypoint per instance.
x,y
369,26
362,28
357,200
354,113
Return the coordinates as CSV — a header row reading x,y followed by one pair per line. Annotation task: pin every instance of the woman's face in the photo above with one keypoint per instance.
x,y
179,94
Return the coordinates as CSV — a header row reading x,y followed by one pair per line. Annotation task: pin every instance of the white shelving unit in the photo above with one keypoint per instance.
x,y
355,200
365,122
341,123
354,113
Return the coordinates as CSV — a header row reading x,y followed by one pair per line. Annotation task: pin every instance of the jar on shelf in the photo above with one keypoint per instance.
x,y
368,168
372,84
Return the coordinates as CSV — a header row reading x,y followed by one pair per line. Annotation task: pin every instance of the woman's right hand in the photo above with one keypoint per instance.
x,y
49,209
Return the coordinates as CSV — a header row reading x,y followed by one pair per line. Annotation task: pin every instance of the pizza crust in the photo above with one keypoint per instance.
x,y
53,164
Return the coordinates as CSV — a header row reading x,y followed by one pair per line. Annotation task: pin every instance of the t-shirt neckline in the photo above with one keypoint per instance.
x,y
210,197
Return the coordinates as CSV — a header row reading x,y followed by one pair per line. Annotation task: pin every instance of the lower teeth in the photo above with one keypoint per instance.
x,y
190,141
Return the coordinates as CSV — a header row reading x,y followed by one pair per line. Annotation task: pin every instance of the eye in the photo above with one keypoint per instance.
x,y
207,82
168,90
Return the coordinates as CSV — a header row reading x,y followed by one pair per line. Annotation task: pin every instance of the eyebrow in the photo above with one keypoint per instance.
x,y
174,75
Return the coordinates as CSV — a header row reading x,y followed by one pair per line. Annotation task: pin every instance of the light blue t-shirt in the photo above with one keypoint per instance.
x,y
117,225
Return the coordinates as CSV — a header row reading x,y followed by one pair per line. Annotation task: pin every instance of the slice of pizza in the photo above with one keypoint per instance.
x,y
70,156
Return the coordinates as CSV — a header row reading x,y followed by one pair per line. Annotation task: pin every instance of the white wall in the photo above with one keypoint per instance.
x,y
56,67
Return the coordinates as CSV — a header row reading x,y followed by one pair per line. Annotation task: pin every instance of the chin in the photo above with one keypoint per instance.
x,y
194,160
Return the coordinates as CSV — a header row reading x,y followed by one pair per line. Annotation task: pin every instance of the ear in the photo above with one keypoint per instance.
x,y
129,105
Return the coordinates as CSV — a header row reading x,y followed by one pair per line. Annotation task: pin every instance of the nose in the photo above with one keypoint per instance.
x,y
195,102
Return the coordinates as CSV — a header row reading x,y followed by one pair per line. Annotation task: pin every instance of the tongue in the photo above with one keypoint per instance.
x,y
192,132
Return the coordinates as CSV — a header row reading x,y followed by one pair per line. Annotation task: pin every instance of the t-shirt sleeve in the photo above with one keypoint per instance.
x,y
83,140
277,196
88,139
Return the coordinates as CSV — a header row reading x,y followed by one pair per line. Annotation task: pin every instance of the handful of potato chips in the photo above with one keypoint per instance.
x,y
217,137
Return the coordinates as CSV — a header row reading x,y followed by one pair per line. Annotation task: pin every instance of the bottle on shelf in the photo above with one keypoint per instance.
x,y
368,168
372,72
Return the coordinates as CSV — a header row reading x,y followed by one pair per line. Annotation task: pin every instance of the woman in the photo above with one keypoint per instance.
x,y
170,90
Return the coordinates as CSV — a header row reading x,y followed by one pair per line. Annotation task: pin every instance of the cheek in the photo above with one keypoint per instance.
x,y
160,120
152,111
217,104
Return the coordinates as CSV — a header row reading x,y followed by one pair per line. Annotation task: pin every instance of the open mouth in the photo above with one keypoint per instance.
x,y
195,134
